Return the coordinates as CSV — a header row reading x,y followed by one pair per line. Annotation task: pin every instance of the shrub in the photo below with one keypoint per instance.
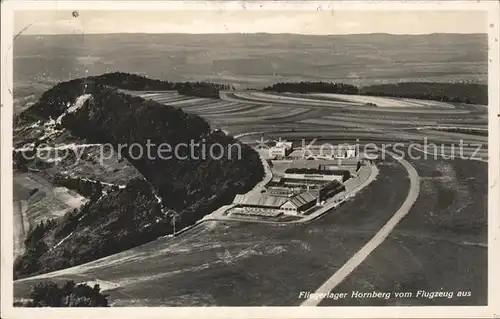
x,y
49,294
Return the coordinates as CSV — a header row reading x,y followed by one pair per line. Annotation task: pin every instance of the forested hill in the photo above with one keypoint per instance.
x,y
192,185
53,102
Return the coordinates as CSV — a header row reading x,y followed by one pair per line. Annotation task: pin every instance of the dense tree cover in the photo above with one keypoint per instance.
x,y
192,182
198,89
141,83
470,93
306,87
133,82
35,247
70,294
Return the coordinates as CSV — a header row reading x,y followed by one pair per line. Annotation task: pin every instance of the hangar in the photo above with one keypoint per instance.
x,y
286,204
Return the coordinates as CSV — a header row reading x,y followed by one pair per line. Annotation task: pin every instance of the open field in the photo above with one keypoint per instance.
x,y
35,199
440,245
46,201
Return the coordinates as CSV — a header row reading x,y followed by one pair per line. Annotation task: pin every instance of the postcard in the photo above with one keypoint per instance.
x,y
270,159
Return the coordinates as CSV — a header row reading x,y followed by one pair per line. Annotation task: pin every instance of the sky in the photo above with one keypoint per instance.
x,y
250,21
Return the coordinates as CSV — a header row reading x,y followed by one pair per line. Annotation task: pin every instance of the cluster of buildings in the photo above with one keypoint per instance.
x,y
285,150
287,198
301,187
301,183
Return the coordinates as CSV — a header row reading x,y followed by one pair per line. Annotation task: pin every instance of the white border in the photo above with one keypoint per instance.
x,y
493,310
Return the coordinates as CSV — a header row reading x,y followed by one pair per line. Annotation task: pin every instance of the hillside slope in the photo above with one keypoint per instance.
x,y
190,184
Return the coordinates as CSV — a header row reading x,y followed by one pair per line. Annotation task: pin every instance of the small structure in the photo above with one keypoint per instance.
x,y
299,203
319,173
281,149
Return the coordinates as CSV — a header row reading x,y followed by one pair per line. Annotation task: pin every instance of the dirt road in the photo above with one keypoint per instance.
x,y
379,237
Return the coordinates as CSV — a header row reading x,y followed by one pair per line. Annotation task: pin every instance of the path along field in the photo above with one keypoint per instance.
x,y
237,263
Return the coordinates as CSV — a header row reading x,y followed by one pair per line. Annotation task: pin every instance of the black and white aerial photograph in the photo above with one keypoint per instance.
x,y
222,157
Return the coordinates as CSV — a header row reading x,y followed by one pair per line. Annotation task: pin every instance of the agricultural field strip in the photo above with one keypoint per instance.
x,y
480,156
355,107
280,103
186,102
229,97
209,107
238,108
153,95
466,122
260,111
189,104
301,99
289,114
371,119
160,97
379,237
379,101
420,124
288,101
166,100
455,136
434,136
419,111
134,92
235,120
314,96
428,103
328,122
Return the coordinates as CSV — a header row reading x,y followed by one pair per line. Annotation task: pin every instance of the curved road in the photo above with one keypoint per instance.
x,y
379,237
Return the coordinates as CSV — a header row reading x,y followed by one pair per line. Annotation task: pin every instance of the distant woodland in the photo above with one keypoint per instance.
x,y
70,294
310,87
470,93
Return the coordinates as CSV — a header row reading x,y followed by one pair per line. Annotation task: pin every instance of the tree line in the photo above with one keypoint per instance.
x,y
307,87
459,92
69,294
470,93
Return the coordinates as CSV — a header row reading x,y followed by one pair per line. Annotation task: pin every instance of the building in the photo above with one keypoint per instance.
x,y
299,203
262,203
322,190
281,149
260,200
329,152
320,174
283,191
321,177
330,189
